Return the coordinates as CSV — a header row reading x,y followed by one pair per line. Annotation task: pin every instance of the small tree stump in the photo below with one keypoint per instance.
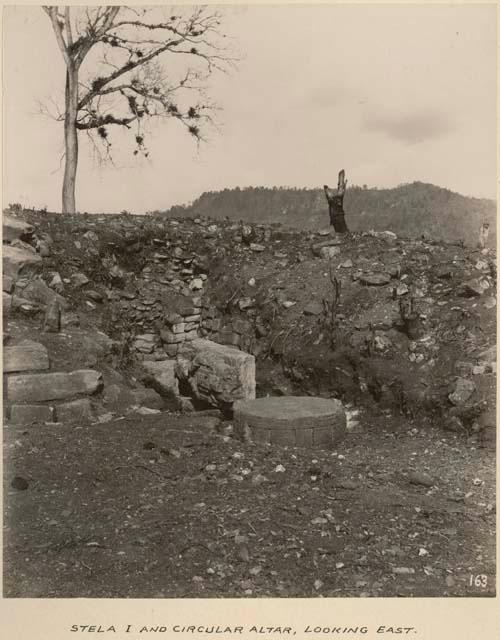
x,y
335,199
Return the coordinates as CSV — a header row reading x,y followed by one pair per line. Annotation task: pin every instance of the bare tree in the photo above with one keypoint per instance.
x,y
125,79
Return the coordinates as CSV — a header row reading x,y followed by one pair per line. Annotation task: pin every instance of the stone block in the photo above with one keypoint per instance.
x,y
254,246
31,413
214,324
316,248
229,337
191,335
7,284
6,302
313,309
186,310
70,319
241,326
211,312
169,337
189,326
143,347
147,398
21,304
194,318
463,390
162,377
18,261
79,279
178,328
15,229
218,375
115,394
474,287
37,291
329,252
41,387
173,318
29,356
375,279
147,337
171,350
75,411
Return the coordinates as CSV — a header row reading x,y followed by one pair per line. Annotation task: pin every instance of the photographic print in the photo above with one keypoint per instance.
x,y
249,303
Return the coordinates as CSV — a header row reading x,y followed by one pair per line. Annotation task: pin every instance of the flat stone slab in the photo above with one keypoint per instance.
x,y
31,356
40,387
31,413
375,279
297,421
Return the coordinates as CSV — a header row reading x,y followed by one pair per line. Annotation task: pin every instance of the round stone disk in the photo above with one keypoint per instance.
x,y
296,421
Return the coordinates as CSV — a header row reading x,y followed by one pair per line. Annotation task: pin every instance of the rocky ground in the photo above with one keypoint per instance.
x,y
117,486
167,507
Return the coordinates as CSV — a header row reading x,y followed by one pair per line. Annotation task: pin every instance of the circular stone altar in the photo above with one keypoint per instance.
x,y
296,421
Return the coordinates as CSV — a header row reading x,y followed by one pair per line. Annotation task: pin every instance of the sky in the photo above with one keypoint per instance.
x,y
390,93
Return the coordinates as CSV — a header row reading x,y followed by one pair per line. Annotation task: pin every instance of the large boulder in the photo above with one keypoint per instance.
x,y
40,387
217,375
19,261
15,229
28,356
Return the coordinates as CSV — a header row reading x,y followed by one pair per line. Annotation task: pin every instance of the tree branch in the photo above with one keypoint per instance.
x,y
56,26
67,25
101,121
129,66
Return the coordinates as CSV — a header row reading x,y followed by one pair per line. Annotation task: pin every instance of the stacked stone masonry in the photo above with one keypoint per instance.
x,y
235,331
35,395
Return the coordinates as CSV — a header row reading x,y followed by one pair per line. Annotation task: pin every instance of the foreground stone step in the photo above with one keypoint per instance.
x,y
52,386
31,413
217,374
17,261
28,356
297,421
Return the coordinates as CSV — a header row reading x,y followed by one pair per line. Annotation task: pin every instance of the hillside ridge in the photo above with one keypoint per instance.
x,y
410,210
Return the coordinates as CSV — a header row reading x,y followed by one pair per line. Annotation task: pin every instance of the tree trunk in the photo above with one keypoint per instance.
x,y
70,141
335,201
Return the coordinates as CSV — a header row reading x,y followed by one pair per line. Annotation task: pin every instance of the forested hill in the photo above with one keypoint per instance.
x,y
408,210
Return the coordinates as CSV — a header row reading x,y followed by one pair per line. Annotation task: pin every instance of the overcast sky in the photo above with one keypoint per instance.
x,y
391,93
